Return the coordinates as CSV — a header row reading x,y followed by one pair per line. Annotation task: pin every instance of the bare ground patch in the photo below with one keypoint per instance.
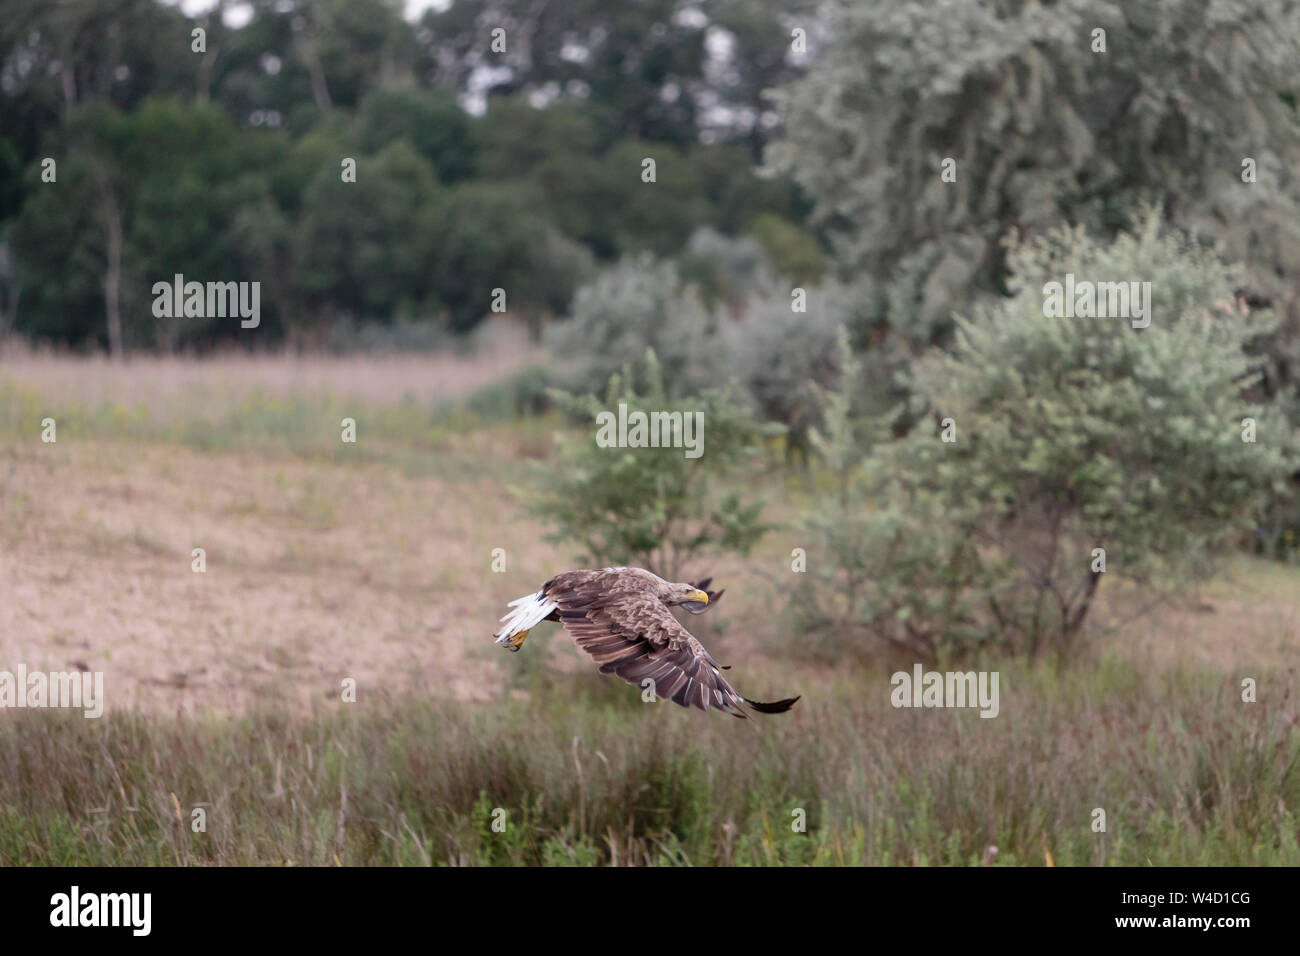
x,y
314,573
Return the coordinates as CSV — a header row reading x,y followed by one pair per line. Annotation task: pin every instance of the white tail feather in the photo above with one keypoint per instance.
x,y
529,611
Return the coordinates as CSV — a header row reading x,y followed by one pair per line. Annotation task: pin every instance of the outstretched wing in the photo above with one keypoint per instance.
x,y
632,634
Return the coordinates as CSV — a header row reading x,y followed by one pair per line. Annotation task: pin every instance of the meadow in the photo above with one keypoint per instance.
x,y
372,561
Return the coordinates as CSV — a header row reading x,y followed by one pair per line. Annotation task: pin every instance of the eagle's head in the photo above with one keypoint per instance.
x,y
688,596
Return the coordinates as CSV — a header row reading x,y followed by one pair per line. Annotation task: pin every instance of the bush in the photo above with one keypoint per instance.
x,y
651,507
523,394
783,357
637,304
792,250
1071,434
880,563
717,315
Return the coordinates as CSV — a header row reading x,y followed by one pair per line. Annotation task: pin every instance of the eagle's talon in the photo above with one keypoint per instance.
x,y
515,641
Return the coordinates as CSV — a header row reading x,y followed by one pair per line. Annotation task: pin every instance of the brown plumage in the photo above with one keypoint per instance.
x,y
620,617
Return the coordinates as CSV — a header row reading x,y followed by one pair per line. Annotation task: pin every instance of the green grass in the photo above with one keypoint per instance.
x,y
586,774
414,438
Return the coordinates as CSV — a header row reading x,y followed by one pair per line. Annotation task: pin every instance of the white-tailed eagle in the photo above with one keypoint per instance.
x,y
620,617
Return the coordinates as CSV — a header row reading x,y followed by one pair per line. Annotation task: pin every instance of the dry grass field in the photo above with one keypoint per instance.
x,y
327,560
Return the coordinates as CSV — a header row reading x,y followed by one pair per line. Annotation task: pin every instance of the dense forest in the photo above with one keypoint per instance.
x,y
366,168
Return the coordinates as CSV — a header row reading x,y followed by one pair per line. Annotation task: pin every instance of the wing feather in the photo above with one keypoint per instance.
x,y
615,616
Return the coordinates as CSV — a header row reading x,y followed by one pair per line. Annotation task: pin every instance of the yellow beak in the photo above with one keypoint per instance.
x,y
698,595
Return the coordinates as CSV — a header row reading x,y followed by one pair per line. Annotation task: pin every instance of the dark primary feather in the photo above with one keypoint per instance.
x,y
772,707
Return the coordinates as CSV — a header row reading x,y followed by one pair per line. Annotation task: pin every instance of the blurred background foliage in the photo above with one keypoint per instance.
x,y
476,169
797,245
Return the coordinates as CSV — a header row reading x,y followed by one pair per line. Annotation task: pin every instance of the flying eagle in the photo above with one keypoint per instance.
x,y
620,617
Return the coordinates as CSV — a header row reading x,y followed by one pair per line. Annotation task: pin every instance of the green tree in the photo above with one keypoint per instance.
x,y
203,172
489,237
430,120
364,247
70,235
551,149
1043,127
